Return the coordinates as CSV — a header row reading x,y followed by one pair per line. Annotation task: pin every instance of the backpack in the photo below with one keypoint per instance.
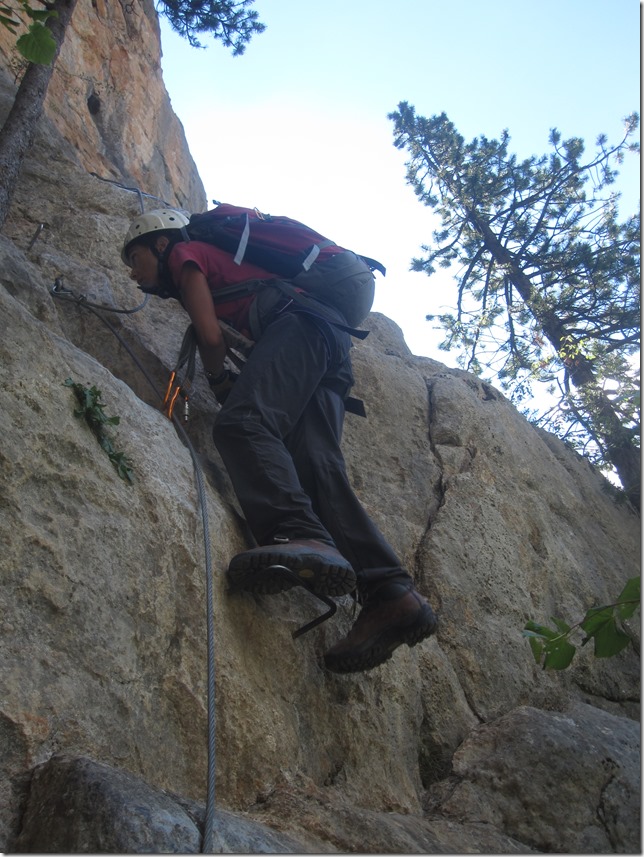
x,y
290,250
278,244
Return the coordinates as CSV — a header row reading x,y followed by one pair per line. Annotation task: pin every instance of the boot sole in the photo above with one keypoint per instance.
x,y
272,572
373,654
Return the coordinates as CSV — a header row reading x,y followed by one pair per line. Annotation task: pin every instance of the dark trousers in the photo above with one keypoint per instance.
x,y
279,436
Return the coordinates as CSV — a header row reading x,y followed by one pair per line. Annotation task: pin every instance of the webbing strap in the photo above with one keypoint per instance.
x,y
315,252
310,259
188,353
243,242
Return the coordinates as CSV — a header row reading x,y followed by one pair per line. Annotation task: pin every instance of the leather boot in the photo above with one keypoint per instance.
x,y
394,614
269,569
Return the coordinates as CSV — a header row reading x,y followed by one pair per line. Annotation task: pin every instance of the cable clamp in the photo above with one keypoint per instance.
x,y
58,288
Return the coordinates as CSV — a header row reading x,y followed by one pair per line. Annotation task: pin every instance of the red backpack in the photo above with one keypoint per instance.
x,y
278,244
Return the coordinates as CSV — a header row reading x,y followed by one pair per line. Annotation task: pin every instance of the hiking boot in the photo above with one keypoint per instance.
x,y
393,615
269,569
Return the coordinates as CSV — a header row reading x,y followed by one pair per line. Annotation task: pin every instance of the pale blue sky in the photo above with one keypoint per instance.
x,y
298,124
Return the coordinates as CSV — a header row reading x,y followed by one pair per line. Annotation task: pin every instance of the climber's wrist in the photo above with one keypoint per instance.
x,y
217,378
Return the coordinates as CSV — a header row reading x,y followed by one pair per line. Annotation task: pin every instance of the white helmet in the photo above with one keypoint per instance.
x,y
154,221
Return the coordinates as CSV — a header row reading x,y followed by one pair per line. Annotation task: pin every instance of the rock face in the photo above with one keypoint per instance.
x,y
490,783
108,100
459,745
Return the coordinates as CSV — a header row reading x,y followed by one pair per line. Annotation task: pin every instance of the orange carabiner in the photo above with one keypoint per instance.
x,y
170,397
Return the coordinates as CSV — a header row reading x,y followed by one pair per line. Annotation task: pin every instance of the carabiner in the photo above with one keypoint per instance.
x,y
170,397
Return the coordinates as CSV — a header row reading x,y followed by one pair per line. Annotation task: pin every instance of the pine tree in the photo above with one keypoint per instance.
x,y
548,278
230,21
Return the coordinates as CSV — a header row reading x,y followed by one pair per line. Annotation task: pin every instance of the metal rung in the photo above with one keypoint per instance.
x,y
325,598
323,618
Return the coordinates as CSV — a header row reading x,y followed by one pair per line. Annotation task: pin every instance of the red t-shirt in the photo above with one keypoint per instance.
x,y
220,271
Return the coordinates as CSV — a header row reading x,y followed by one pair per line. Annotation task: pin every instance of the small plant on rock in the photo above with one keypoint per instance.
x,y
91,408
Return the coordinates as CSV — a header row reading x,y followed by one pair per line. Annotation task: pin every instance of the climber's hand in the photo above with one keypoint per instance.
x,y
222,384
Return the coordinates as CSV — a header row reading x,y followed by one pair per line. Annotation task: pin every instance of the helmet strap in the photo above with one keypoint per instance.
x,y
166,284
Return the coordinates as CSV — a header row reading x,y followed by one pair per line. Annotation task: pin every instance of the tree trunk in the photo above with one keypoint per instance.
x,y
19,130
620,449
616,438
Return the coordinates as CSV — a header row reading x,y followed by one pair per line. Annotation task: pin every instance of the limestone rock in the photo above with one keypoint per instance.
x,y
102,583
108,100
581,792
77,806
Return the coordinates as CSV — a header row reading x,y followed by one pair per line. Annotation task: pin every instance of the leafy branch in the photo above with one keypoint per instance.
x,y
603,625
91,408
37,44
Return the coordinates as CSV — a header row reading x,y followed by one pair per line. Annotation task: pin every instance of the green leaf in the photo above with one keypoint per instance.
x,y
610,640
594,620
558,654
37,45
561,625
629,598
552,646
540,630
537,647
123,465
601,624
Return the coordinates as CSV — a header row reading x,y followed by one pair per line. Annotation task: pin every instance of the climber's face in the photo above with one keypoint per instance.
x,y
145,266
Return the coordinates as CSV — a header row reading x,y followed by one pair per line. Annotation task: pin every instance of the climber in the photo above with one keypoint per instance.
x,y
278,432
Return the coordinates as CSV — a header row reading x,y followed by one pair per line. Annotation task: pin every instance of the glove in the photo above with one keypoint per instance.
x,y
221,384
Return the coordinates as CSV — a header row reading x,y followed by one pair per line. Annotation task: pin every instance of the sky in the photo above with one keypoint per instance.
x,y
298,124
